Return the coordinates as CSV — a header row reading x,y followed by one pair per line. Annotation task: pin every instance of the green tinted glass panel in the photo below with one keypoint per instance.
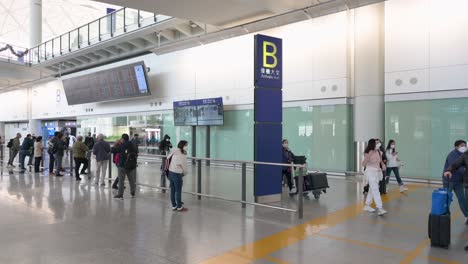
x,y
425,132
322,134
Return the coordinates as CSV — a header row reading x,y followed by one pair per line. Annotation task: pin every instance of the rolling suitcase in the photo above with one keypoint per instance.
x,y
317,183
439,224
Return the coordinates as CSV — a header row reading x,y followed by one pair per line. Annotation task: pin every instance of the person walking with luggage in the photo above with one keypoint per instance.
x,y
177,170
455,182
127,165
25,150
288,157
79,156
14,149
372,175
102,151
38,150
393,164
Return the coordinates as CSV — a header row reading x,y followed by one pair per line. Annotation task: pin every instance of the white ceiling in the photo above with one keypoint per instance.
x,y
221,13
58,17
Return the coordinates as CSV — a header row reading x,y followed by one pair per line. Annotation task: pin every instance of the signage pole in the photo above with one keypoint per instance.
x,y
194,143
208,145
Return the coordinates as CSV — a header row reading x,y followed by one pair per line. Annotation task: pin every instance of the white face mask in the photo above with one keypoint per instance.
x,y
392,146
286,145
185,148
462,149
167,140
378,145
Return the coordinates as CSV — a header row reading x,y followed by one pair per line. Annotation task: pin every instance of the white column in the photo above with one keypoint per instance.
x,y
368,78
35,23
34,125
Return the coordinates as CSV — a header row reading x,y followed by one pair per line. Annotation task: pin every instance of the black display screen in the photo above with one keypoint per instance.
x,y
119,83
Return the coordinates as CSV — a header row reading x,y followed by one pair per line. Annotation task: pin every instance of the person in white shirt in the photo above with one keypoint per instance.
x,y
177,170
393,164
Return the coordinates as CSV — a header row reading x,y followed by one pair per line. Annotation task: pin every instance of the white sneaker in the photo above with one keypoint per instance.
x,y
293,190
369,209
381,211
403,189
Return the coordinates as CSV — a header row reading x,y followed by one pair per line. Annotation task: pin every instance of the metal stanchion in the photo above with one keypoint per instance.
x,y
90,160
71,165
199,182
110,169
42,161
300,180
244,183
163,176
1,152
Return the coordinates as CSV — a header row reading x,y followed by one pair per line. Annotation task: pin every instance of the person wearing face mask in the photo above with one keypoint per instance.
x,y
383,182
288,157
165,145
372,175
455,182
177,170
393,164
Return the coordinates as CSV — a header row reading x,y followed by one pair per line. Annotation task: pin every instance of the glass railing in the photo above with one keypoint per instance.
x,y
14,53
113,24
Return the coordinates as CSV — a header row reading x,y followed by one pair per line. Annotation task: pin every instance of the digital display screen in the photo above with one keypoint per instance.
x,y
203,112
119,83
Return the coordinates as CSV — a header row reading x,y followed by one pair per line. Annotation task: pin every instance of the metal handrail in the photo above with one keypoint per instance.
x,y
68,34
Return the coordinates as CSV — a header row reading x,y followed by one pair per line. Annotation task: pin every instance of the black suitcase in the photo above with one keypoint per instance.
x,y
439,230
317,181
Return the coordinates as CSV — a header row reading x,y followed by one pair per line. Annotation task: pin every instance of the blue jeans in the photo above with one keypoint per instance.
x,y
396,171
176,189
462,194
22,156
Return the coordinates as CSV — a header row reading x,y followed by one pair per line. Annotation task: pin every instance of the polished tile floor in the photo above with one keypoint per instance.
x,y
57,220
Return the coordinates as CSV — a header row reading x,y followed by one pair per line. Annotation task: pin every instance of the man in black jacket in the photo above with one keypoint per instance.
x,y
25,150
462,161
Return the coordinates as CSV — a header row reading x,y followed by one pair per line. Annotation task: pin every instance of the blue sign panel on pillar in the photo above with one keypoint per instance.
x,y
268,105
268,115
267,180
268,62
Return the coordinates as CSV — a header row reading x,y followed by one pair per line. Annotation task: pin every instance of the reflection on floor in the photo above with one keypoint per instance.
x,y
57,220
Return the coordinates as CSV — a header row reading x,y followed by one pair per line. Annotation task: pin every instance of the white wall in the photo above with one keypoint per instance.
x,y
425,45
315,56
14,105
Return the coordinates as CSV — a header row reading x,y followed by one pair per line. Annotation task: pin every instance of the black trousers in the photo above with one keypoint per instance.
x,y
51,163
288,174
37,163
78,163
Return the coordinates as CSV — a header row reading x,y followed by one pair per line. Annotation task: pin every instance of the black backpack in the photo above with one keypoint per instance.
x,y
10,143
130,162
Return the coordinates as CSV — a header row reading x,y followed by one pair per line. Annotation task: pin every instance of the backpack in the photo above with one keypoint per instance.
x,y
130,162
10,143
51,147
117,159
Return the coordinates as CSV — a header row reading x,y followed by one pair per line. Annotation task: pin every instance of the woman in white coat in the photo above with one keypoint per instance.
x,y
373,174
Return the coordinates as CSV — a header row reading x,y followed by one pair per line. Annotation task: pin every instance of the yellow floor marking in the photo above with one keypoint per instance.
x,y
364,244
275,260
394,250
411,256
399,226
264,247
441,260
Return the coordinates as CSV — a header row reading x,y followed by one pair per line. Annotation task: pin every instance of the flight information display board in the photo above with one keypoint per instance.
x,y
119,83
203,112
